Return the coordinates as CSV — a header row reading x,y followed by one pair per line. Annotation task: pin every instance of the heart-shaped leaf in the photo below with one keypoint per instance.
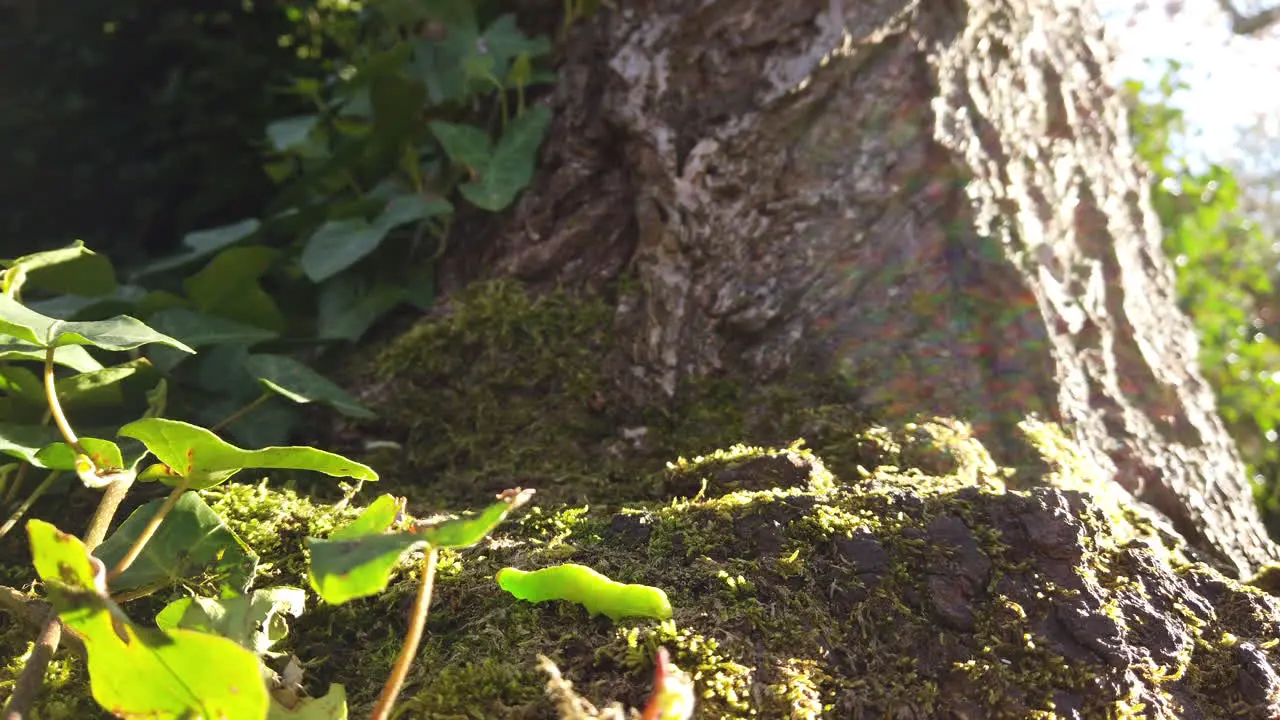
x,y
301,384
105,462
229,287
206,460
119,333
357,560
511,167
191,541
184,673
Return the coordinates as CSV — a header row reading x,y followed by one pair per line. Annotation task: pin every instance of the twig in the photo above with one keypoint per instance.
x,y
152,525
28,685
257,402
26,504
413,636
32,611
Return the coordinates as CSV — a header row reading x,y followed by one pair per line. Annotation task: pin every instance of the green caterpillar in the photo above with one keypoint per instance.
x,y
582,585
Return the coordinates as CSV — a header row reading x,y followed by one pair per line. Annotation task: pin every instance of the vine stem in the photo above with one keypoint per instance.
x,y
254,405
412,638
152,525
55,407
31,680
31,500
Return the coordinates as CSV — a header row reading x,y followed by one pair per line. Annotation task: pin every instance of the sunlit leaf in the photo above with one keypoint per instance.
x,y
136,671
73,270
119,333
206,460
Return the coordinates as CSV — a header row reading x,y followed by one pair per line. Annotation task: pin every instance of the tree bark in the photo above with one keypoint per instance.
x,y
937,199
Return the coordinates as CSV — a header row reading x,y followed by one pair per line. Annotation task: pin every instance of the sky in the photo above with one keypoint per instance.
x,y
1232,78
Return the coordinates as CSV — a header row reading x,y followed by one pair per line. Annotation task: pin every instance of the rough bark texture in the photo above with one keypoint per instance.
x,y
939,199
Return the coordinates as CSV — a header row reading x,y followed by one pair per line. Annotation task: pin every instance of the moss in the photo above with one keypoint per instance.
x,y
863,571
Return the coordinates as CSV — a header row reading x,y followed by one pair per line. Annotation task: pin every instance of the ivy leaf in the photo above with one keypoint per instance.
x,y
72,356
103,465
99,387
198,329
301,384
357,560
202,244
511,167
186,673
256,621
119,333
465,145
347,307
339,244
205,460
192,540
229,287
73,270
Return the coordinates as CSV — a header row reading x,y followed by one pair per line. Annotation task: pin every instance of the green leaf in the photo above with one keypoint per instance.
x,y
206,460
505,43
191,541
301,384
202,244
333,706
100,387
198,329
471,529
228,286
511,167
347,308
72,356
107,464
256,621
119,333
292,132
337,245
73,270
185,674
20,382
26,441
465,145
357,560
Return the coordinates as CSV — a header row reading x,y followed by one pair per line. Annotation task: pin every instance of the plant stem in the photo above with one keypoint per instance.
x,y
413,636
107,506
152,525
31,680
257,402
11,491
59,419
26,504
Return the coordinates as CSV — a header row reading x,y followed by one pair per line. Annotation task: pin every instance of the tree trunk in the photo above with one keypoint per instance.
x,y
938,199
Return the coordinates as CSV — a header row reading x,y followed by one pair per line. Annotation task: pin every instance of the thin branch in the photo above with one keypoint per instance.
x,y
413,636
1250,24
31,500
28,685
257,402
147,532
55,407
